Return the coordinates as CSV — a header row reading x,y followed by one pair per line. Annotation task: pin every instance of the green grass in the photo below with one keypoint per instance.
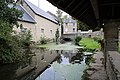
x,y
119,47
89,43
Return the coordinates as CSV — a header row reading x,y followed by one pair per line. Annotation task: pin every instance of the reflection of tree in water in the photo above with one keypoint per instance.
x,y
71,56
78,57
42,51
88,59
68,54
80,50
27,57
8,71
59,58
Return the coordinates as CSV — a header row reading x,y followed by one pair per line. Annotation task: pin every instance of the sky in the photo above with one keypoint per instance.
x,y
45,5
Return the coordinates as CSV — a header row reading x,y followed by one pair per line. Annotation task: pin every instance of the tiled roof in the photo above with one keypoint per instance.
x,y
40,12
26,15
70,20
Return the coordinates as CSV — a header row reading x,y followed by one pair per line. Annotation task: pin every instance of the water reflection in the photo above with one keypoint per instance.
x,y
69,65
17,70
32,64
66,65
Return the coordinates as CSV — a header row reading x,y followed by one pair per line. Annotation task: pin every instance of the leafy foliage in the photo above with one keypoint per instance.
x,y
77,40
12,50
25,38
44,40
8,18
82,26
10,46
59,15
89,44
97,39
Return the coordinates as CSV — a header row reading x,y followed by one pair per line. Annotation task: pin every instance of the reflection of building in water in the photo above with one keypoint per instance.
x,y
72,55
29,69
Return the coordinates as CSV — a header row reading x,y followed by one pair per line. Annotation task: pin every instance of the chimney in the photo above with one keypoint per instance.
x,y
39,3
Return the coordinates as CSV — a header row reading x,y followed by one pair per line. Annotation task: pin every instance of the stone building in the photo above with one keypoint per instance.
x,y
39,22
69,26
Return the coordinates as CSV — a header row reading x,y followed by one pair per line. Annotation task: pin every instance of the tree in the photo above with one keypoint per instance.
x,y
64,18
82,26
59,16
8,17
9,46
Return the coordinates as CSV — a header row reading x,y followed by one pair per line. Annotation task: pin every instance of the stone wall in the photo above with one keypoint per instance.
x,y
113,65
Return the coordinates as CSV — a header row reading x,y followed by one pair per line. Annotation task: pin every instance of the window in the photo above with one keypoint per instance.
x,y
42,30
66,30
73,24
23,29
51,31
73,29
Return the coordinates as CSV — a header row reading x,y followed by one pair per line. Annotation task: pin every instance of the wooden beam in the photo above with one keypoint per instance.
x,y
84,16
77,6
95,7
84,11
70,4
107,4
59,2
112,10
81,9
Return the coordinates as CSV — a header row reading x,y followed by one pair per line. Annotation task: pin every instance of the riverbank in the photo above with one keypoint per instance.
x,y
96,71
30,69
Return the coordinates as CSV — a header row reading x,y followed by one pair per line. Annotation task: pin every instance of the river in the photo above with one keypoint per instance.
x,y
45,64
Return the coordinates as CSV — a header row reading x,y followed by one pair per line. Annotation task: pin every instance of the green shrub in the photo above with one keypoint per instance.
x,y
25,38
77,40
89,44
43,40
85,75
97,39
11,49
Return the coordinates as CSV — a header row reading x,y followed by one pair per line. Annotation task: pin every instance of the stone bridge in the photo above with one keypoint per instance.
x,y
69,36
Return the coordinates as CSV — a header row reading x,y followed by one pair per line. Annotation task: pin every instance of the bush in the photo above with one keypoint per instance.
x,y
25,38
43,40
97,39
89,44
77,40
11,49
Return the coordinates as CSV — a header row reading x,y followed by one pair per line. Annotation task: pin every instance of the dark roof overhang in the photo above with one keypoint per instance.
x,y
91,12
79,9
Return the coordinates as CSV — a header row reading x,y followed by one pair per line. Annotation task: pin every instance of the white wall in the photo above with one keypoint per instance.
x,y
29,26
47,25
69,28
